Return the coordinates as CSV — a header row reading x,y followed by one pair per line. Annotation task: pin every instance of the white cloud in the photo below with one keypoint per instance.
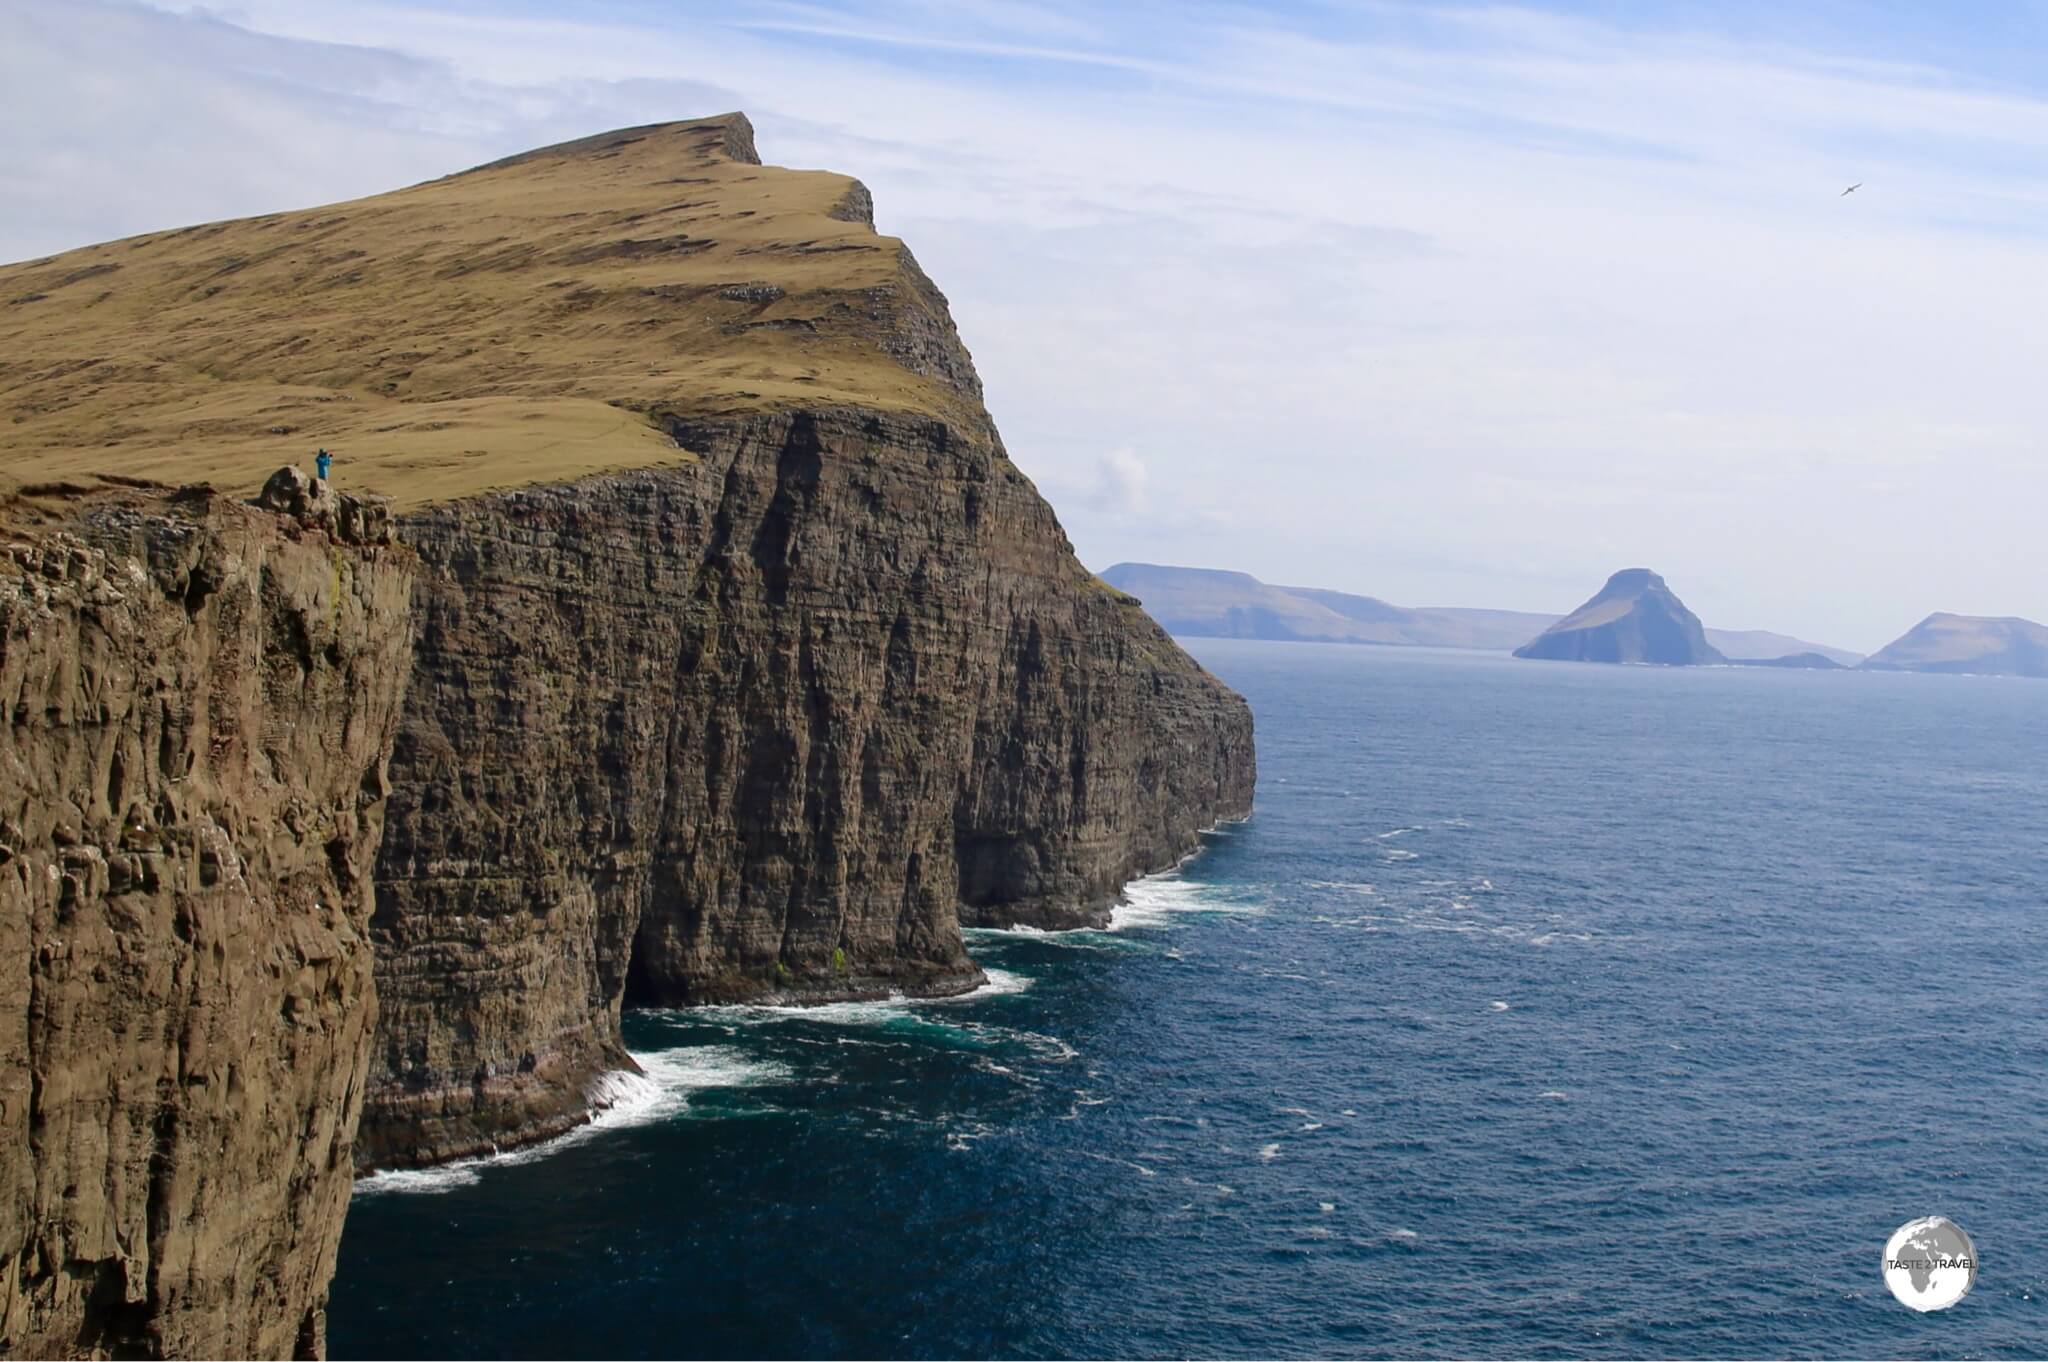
x,y
1120,482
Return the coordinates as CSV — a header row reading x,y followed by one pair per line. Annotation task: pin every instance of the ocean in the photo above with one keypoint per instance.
x,y
1540,1010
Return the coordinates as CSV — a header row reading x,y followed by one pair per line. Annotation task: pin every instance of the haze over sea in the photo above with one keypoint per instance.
x,y
1540,1010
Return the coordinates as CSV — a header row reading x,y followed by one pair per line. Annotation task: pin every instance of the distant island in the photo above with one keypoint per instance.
x,y
1981,645
1208,603
1634,618
1819,662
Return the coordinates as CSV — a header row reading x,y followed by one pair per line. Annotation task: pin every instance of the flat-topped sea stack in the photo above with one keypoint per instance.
x,y
1635,618
730,657
1980,645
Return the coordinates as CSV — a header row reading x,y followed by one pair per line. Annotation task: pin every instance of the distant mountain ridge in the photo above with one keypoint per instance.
x,y
1214,603
1635,617
1211,603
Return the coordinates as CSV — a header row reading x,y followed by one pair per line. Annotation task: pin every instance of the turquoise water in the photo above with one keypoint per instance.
x,y
1541,1010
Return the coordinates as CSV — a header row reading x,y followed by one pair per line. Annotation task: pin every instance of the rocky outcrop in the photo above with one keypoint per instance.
x,y
754,726
1634,618
1979,645
351,517
198,701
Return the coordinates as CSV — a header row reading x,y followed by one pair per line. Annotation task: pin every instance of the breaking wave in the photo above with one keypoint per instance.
x,y
617,1100
1156,900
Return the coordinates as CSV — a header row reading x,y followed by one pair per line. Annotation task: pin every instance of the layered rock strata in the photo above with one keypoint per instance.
x,y
197,700
761,725
739,662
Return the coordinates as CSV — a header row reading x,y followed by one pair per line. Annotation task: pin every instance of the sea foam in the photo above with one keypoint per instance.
x,y
1156,899
896,1007
617,1100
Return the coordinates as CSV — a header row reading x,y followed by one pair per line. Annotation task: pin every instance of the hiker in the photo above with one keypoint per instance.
x,y
320,461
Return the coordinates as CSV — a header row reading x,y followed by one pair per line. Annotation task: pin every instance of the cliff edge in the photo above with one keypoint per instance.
x,y
740,661
766,716
199,699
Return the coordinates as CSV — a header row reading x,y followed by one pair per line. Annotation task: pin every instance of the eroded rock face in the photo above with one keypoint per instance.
x,y
754,725
197,700
351,517
770,664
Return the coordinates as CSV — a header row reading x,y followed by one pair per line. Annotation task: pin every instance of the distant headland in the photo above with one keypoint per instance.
x,y
1635,618
1208,603
1981,645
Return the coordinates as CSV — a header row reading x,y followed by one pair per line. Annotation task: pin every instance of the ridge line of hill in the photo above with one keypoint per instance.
x,y
1221,603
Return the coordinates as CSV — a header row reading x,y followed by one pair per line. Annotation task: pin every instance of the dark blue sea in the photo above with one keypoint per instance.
x,y
1540,1010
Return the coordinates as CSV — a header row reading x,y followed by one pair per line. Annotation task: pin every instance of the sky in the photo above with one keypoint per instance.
x,y
1448,304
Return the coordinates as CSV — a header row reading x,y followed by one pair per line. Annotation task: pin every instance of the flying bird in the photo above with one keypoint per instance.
x,y
1850,190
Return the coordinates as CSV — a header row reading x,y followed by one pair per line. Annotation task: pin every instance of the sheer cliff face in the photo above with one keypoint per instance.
x,y
739,662
753,726
764,713
199,699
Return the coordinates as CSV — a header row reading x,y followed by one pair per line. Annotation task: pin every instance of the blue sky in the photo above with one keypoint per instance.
x,y
1450,304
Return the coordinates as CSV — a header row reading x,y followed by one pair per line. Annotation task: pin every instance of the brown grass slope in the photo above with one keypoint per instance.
x,y
532,320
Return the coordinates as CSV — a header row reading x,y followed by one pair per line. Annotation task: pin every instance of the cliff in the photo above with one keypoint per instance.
x,y
1634,618
764,725
199,701
1980,645
839,684
743,663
